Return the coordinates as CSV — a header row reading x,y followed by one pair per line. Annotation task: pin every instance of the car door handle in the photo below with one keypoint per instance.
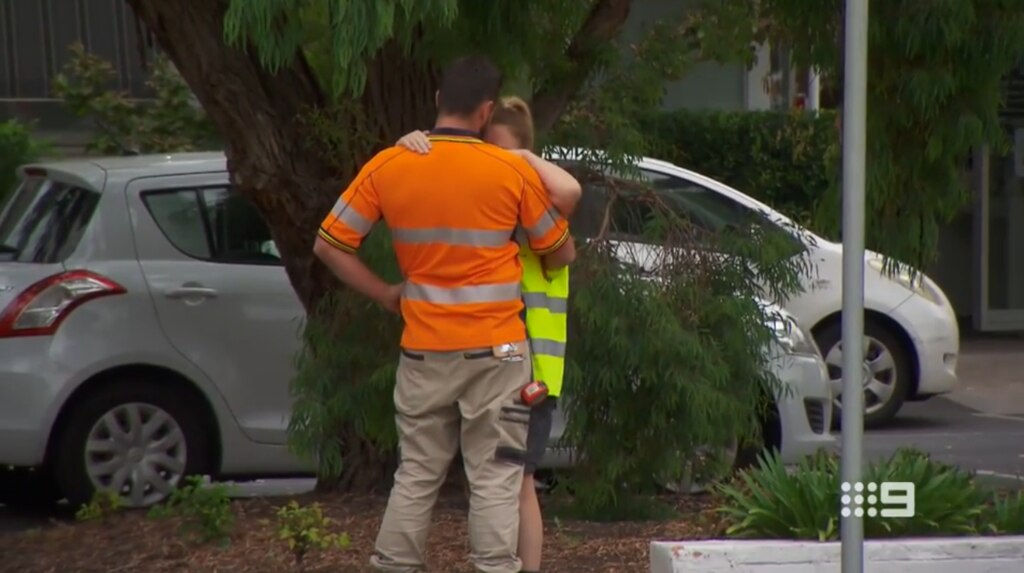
x,y
190,292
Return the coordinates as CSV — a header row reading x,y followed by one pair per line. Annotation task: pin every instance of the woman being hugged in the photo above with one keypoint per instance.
x,y
545,294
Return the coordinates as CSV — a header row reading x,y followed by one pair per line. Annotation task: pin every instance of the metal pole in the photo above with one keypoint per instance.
x,y
854,153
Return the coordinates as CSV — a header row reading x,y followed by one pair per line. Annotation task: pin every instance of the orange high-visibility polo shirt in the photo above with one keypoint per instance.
x,y
452,215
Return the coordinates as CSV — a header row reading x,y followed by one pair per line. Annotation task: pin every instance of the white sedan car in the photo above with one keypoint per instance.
x,y
148,328
911,333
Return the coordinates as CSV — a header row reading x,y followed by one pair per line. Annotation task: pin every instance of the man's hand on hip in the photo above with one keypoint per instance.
x,y
354,273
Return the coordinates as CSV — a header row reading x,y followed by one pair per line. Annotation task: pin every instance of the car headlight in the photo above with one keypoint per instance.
x,y
793,338
917,284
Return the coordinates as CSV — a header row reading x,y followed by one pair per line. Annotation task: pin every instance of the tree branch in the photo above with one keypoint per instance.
x,y
602,25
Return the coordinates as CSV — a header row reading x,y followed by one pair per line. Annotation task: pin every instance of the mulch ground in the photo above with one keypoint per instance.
x,y
132,542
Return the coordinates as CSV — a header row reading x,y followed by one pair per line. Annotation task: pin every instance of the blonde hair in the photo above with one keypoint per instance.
x,y
514,113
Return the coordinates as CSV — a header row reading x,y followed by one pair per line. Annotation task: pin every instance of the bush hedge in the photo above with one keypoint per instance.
x,y
786,160
17,147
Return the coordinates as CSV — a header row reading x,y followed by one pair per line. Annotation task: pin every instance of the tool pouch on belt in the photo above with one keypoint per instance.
x,y
514,417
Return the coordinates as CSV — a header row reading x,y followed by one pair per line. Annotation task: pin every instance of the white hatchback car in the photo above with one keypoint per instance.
x,y
148,328
911,333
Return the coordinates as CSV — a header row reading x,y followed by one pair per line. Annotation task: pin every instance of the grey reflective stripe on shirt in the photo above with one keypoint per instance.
x,y
344,212
547,347
544,224
448,236
501,292
542,300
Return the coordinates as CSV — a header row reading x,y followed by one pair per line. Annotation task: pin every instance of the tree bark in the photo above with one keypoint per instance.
x,y
601,26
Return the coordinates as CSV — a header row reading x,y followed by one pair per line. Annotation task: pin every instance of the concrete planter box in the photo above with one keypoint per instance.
x,y
934,555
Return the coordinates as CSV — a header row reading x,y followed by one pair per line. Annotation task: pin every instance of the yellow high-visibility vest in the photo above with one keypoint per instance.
x,y
547,303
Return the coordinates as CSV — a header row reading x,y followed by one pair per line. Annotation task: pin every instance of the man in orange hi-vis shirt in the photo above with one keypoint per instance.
x,y
464,359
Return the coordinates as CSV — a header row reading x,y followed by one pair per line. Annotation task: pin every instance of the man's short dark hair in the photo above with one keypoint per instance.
x,y
467,83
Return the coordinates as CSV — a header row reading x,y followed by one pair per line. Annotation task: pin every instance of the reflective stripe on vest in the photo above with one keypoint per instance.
x,y
546,306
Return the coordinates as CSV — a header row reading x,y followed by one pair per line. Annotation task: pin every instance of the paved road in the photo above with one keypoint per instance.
x,y
991,444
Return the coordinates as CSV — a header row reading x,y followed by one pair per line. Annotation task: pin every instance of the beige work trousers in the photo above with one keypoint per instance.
x,y
443,399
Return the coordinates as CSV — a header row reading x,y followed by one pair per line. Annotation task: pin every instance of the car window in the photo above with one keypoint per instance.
x,y
213,224
715,212
179,215
238,232
628,220
710,210
44,220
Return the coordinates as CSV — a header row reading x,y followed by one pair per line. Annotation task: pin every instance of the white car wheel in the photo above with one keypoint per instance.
x,y
136,438
887,371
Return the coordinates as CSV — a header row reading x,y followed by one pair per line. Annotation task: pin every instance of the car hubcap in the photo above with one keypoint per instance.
x,y
879,380
138,451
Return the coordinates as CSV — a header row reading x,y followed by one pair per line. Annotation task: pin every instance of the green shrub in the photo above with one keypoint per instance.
x,y
102,505
785,160
17,147
946,500
205,510
169,122
769,502
1005,514
343,408
305,529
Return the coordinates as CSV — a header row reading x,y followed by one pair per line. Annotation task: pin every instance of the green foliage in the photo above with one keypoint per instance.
x,y
768,501
663,356
17,147
346,370
342,37
783,159
205,509
102,505
171,122
1005,515
946,500
306,528
934,94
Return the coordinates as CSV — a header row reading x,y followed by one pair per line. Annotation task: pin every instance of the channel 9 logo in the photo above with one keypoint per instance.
x,y
885,499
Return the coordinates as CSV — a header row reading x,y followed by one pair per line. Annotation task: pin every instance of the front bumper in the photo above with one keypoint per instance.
x,y
935,335
805,410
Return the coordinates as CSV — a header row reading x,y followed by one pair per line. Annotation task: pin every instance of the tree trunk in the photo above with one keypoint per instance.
x,y
278,161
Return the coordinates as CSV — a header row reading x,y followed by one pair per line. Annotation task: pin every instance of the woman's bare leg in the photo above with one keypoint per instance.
x,y
531,526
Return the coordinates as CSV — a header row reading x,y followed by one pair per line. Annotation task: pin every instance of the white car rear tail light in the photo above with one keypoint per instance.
x,y
40,309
